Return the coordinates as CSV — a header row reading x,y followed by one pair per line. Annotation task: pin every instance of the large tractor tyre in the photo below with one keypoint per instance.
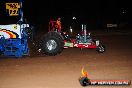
x,y
52,43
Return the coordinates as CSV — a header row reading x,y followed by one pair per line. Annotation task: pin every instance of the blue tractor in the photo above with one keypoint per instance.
x,y
14,40
14,37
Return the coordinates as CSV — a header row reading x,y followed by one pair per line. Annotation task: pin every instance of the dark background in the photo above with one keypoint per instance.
x,y
95,13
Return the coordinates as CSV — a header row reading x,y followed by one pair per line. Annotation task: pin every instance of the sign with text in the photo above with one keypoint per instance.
x,y
111,25
13,9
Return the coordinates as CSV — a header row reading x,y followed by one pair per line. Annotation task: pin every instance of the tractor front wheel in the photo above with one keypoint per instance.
x,y
52,43
100,49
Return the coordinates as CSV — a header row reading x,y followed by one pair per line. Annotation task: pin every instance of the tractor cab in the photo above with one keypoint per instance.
x,y
55,25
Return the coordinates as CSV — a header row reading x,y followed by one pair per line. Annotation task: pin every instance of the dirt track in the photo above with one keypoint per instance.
x,y
63,71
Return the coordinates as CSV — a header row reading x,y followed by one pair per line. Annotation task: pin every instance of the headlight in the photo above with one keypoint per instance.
x,y
97,43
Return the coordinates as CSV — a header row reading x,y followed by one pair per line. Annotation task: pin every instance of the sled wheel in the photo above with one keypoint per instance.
x,y
52,43
101,49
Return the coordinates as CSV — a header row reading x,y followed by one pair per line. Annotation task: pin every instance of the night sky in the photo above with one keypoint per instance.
x,y
79,8
89,11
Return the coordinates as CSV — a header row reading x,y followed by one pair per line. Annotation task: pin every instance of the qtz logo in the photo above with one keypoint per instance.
x,y
85,81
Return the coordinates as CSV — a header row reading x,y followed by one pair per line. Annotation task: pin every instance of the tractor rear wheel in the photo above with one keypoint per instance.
x,y
52,43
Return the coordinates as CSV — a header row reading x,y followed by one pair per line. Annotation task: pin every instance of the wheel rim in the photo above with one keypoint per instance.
x,y
51,45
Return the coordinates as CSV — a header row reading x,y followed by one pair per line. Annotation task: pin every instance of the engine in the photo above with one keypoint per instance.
x,y
83,38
